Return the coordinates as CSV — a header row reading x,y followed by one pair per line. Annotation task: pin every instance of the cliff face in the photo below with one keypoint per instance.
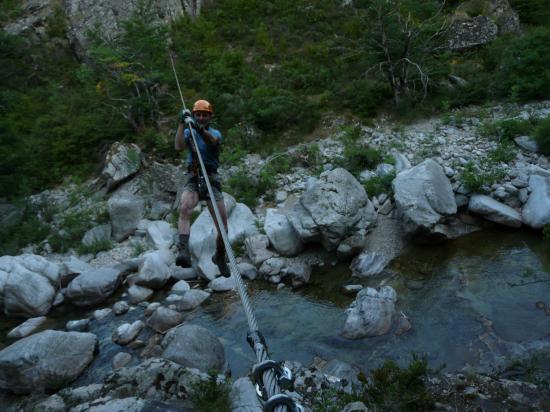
x,y
80,16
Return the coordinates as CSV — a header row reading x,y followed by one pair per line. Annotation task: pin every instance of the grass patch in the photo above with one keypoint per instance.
x,y
138,247
357,156
478,179
379,184
95,247
211,395
507,130
541,134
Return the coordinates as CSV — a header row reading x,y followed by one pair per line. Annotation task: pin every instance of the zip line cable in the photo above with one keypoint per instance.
x,y
268,375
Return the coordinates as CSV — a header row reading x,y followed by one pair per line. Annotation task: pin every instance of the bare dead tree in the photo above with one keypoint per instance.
x,y
192,7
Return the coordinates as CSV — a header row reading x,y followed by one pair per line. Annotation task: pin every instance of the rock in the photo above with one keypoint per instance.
x,y
523,195
385,169
272,266
256,248
33,263
423,196
160,234
366,175
98,234
465,34
195,347
369,264
59,299
101,313
494,211
54,403
536,212
127,332
121,359
154,271
164,319
191,299
120,308
357,406
46,361
71,268
139,294
247,270
81,325
401,161
27,328
461,200
339,207
151,307
370,314
520,182
82,394
343,371
280,196
241,224
222,284
243,396
351,289
386,207
125,212
351,246
300,272
282,235
93,287
527,143
180,287
403,325
180,273
27,293
121,162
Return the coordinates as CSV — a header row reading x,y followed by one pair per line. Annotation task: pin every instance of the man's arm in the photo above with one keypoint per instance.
x,y
209,138
179,142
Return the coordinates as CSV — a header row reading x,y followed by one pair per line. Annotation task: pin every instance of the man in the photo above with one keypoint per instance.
x,y
208,143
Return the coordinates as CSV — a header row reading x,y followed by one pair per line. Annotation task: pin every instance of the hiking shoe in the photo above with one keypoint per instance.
x,y
184,258
219,260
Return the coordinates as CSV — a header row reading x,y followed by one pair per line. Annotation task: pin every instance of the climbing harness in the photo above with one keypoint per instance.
x,y
269,376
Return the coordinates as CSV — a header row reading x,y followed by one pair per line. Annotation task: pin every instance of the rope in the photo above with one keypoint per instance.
x,y
269,379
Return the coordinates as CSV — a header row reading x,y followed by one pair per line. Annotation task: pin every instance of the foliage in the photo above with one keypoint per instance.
x,y
532,12
379,184
247,188
332,400
541,135
546,231
357,156
521,65
211,395
95,247
508,129
404,389
505,152
478,178
138,247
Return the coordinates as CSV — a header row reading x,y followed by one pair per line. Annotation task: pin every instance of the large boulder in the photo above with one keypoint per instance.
x,y
93,287
424,196
243,396
494,211
154,270
160,234
256,248
195,347
338,205
26,285
71,268
125,212
371,313
241,224
46,361
121,162
536,212
282,235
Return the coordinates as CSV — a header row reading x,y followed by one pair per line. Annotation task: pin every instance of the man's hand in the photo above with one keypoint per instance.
x,y
185,114
189,121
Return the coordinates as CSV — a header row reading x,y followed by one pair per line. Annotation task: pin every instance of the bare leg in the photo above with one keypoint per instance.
x,y
189,201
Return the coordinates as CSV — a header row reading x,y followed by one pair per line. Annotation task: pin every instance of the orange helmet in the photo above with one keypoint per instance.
x,y
203,106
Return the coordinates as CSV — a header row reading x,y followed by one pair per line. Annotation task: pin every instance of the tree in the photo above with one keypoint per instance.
x,y
403,37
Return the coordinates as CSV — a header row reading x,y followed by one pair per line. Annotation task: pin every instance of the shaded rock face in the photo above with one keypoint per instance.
x,y
195,347
536,212
125,212
243,396
121,162
46,361
424,196
371,313
282,235
154,271
335,207
93,287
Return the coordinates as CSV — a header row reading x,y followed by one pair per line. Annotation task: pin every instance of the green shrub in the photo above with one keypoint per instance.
x,y
508,129
379,184
211,395
541,135
476,180
532,12
95,247
247,189
504,153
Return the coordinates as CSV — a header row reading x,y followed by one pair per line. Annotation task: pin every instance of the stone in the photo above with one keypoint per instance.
x,y
282,235
536,212
121,162
54,403
357,406
423,196
401,161
98,234
81,325
127,332
494,211
71,268
180,287
27,328
351,246
139,294
520,182
351,289
151,307
344,371
339,207
120,308
243,397
371,313
222,284
461,200
154,271
385,169
256,248
386,207
366,175
300,272
473,32
272,267
523,195
125,212
164,319
121,359
527,143
369,264
191,299
247,270
46,361
160,234
180,273
27,293
241,223
93,287
194,347
101,313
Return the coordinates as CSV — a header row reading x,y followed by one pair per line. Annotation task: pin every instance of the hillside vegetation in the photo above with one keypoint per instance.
x,y
275,67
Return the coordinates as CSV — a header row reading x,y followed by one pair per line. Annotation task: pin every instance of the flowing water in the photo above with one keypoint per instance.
x,y
448,292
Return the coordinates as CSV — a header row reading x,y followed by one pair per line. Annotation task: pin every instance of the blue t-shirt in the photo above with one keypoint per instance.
x,y
209,153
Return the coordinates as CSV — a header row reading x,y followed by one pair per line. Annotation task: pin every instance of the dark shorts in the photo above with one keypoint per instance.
x,y
191,185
